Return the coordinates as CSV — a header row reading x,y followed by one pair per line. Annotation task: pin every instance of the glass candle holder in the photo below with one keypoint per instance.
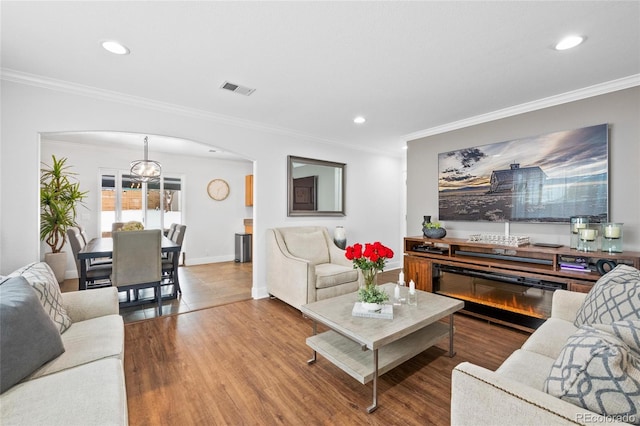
x,y
612,237
588,239
577,223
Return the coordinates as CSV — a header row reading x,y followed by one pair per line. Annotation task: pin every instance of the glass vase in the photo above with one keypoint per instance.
x,y
370,277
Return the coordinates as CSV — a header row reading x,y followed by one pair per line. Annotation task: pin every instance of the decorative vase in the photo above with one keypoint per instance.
x,y
340,237
434,232
370,277
426,219
58,264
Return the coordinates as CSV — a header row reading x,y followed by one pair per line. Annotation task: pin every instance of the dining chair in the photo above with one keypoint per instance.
x,y
85,240
99,273
116,226
83,234
137,263
177,237
171,231
169,234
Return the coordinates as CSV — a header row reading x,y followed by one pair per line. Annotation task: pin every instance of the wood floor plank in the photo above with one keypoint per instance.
x,y
245,363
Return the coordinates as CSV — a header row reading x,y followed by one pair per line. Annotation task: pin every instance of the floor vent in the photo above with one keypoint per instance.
x,y
237,88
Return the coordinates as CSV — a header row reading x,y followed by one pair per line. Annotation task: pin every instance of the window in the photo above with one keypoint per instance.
x,y
124,200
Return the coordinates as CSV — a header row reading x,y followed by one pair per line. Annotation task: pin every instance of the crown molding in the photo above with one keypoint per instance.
x,y
575,95
112,96
137,101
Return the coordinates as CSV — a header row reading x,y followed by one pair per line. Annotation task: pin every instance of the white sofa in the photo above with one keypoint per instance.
x,y
84,385
304,265
513,394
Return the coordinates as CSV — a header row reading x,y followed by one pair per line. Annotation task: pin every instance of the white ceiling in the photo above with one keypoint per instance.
x,y
405,66
135,141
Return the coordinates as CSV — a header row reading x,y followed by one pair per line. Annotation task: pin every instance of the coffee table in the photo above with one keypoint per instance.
x,y
391,342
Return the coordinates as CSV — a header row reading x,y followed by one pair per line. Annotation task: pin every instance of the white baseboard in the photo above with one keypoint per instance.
x,y
211,259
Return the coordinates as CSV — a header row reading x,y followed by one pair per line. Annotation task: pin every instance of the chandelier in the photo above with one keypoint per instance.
x,y
146,170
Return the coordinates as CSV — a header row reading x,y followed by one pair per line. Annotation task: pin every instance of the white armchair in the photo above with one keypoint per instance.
x,y
304,265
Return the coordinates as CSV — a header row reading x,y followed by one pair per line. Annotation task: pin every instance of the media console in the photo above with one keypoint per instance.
x,y
509,285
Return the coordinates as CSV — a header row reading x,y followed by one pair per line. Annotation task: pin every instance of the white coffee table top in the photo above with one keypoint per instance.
x,y
375,332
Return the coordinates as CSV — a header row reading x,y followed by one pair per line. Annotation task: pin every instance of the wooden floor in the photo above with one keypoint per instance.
x,y
203,286
244,363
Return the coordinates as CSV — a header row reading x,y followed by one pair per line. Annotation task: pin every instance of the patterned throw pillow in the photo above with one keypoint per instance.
x,y
44,282
599,371
615,297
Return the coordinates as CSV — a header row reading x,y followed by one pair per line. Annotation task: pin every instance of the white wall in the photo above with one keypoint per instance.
x,y
374,181
621,109
210,224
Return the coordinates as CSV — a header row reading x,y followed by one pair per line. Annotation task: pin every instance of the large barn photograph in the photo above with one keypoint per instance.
x,y
545,178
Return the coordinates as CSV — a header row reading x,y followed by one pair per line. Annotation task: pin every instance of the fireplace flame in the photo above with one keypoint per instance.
x,y
505,303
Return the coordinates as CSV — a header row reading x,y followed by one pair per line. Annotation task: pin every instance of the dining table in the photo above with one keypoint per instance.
x,y
102,247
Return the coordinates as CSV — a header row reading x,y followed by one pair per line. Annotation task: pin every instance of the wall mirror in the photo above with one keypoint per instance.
x,y
315,187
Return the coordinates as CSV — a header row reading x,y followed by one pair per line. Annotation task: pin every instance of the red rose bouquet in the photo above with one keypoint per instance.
x,y
369,259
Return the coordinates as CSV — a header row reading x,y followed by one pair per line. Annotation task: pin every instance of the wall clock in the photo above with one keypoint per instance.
x,y
218,189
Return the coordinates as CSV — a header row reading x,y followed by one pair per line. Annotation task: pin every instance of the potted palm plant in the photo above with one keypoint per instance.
x,y
60,195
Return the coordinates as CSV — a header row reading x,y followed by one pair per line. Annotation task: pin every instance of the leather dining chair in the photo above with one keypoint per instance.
x,y
99,273
137,263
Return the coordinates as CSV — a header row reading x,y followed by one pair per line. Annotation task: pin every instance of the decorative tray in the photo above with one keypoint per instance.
x,y
500,239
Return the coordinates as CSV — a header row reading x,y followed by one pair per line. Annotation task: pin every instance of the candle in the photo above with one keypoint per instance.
x,y
612,231
401,278
412,298
588,234
578,226
396,293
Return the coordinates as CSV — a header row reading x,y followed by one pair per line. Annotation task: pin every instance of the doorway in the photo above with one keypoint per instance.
x,y
187,168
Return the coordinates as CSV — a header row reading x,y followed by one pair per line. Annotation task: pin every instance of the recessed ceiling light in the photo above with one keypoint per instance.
x,y
569,42
115,47
359,120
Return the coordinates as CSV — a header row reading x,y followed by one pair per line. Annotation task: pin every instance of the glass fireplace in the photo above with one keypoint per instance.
x,y
508,299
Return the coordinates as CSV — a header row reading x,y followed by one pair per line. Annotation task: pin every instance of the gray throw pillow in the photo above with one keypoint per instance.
x,y
599,369
29,337
614,297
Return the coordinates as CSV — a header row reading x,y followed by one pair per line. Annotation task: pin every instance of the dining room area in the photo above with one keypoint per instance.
x,y
125,222
203,286
132,259
129,265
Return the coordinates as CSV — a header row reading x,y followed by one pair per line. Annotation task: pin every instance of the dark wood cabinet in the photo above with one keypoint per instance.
x,y
527,261
503,284
419,270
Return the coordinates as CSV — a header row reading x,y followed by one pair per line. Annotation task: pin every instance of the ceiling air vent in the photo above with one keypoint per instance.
x,y
237,89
